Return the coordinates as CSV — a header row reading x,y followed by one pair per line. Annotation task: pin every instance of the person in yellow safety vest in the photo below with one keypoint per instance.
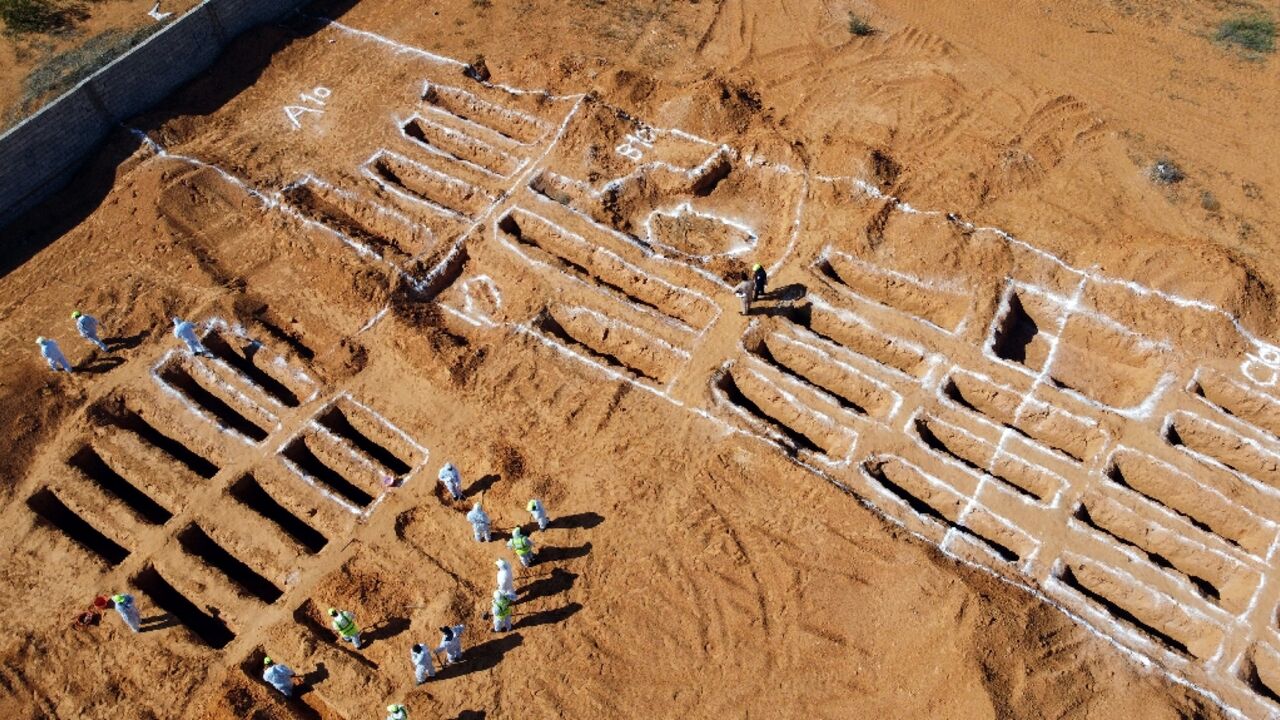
x,y
345,623
397,712
522,546
501,611
124,605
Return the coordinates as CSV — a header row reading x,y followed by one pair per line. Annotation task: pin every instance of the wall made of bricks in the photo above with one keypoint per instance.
x,y
42,153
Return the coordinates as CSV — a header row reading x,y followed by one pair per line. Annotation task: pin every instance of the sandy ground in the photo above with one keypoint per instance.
x,y
1001,442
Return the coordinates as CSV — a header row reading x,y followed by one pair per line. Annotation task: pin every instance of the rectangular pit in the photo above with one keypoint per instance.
x,y
209,629
851,332
1260,671
381,230
49,508
1220,443
250,493
1213,576
1250,406
226,409
197,543
602,268
917,298
459,146
292,339
855,391
795,429
1024,329
305,454
1190,498
621,347
1163,620
451,196
932,499
123,418
244,356
1035,419
976,454
373,434
93,467
507,122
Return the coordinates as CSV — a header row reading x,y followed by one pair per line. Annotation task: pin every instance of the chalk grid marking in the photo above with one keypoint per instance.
x,y
1139,647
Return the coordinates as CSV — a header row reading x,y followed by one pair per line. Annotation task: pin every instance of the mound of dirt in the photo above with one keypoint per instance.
x,y
999,439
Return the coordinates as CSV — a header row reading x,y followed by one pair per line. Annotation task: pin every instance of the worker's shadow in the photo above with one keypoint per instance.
x,y
548,617
97,365
481,485
560,580
384,630
157,622
482,657
796,313
786,293
311,679
124,342
551,553
584,520
471,715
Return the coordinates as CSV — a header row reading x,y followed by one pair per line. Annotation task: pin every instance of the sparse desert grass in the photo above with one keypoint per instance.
x,y
1255,33
33,16
859,26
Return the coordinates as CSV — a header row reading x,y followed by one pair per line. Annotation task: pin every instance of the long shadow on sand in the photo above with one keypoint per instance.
x,y
548,617
483,656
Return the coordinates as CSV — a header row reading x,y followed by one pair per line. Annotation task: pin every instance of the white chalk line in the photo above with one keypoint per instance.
x,y
188,403
793,336
449,213
484,106
946,287
1132,286
462,138
1050,498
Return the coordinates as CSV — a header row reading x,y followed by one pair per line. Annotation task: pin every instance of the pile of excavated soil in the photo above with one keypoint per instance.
x,y
1000,441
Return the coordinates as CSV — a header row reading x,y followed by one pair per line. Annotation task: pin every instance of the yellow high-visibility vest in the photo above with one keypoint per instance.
x,y
345,626
521,545
502,608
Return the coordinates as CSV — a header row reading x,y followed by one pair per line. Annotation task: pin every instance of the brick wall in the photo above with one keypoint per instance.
x,y
42,153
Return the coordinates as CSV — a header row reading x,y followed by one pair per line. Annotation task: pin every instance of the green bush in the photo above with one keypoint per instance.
x,y
27,16
860,27
1256,33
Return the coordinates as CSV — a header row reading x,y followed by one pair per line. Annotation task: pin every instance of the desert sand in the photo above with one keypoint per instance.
x,y
1003,439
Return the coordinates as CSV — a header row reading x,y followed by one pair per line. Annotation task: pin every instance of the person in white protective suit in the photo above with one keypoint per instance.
x,y
539,513
506,584
53,355
124,604
278,676
88,327
423,668
501,611
479,520
451,480
522,546
185,330
451,643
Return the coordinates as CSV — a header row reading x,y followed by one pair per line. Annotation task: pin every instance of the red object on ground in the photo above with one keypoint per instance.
x,y
100,602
